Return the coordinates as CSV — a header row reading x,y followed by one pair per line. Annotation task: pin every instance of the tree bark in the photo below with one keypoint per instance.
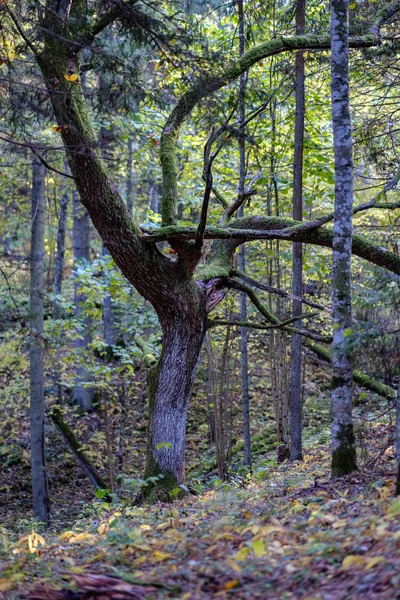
x,y
343,443
40,490
59,262
244,357
110,329
295,402
170,385
82,395
398,438
129,177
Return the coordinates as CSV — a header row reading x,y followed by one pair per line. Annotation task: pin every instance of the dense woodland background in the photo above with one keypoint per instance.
x,y
249,509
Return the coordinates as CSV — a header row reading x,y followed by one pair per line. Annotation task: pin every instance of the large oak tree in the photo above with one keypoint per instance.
x,y
186,286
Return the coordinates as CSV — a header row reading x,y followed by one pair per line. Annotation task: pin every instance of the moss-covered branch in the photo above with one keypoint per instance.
x,y
361,378
247,229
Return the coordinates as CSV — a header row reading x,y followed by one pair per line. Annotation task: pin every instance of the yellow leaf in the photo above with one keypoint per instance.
x,y
82,537
59,128
297,506
159,556
242,553
233,565
353,5
373,561
5,584
340,523
231,584
353,560
77,569
258,548
270,529
103,528
72,78
64,537
143,547
394,508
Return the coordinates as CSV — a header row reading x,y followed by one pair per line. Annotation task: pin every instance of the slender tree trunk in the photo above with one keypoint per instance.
x,y
110,330
129,177
59,262
398,438
244,360
170,385
343,447
296,408
210,390
82,395
40,490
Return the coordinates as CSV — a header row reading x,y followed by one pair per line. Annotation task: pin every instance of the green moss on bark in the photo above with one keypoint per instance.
x,y
344,456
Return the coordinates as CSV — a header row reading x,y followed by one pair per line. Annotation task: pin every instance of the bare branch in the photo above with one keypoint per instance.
x,y
233,283
277,291
46,164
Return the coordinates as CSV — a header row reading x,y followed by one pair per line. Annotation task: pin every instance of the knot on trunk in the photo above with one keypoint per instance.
x,y
214,292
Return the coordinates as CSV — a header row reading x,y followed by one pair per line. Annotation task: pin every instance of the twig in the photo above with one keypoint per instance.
x,y
46,164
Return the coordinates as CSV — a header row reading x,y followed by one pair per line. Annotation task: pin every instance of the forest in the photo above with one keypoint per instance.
x,y
199,299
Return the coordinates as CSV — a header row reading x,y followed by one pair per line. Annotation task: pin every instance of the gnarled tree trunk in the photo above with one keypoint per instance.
x,y
170,386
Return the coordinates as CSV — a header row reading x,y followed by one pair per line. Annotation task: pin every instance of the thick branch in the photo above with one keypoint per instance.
x,y
248,229
364,380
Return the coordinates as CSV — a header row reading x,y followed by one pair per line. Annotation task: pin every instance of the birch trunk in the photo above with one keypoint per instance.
x,y
343,447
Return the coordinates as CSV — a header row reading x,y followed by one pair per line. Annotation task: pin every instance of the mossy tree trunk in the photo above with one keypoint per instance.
x,y
343,448
170,385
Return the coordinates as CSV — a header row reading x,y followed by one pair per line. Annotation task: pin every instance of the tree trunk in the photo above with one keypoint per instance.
x,y
129,177
296,408
398,438
244,359
110,330
59,262
82,395
343,448
40,491
170,385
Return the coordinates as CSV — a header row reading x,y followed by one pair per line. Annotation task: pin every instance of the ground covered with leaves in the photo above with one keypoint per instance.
x,y
287,531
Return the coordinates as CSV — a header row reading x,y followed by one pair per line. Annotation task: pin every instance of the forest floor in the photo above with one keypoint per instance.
x,y
287,532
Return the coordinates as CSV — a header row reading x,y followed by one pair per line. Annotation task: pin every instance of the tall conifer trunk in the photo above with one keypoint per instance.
x,y
344,454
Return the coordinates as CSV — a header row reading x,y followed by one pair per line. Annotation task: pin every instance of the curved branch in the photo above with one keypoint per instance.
x,y
206,86
237,285
277,291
